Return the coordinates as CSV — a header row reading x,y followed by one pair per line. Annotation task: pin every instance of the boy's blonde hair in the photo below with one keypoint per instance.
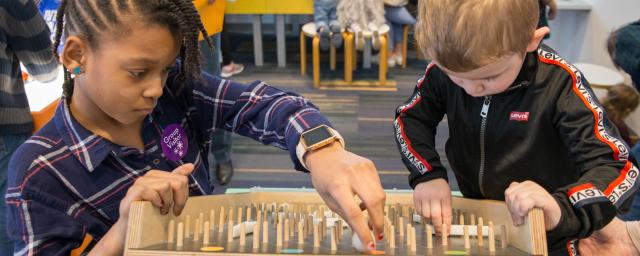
x,y
463,35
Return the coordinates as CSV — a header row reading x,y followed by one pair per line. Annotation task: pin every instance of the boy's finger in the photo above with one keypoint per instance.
x,y
446,212
436,214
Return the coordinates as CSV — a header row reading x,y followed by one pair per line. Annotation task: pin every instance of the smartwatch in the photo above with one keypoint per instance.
x,y
316,138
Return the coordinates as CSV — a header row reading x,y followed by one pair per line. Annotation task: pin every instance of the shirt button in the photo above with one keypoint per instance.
x,y
156,161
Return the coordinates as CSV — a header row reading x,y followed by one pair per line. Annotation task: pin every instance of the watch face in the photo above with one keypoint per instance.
x,y
317,135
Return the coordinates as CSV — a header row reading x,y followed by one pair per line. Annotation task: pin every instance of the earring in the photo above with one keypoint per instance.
x,y
77,70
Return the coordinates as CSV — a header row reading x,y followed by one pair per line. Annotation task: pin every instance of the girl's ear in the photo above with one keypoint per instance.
x,y
74,53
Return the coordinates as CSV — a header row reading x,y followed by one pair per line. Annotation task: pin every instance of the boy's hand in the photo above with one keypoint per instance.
x,y
337,175
523,197
432,200
165,190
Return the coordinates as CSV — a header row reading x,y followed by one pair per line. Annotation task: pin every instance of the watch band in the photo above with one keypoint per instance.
x,y
301,150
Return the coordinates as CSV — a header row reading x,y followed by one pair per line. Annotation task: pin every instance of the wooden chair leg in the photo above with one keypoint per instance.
x,y
316,61
303,54
405,41
348,59
354,61
382,72
332,58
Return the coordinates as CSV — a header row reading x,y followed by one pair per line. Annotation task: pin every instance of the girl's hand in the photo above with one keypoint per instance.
x,y
338,175
165,190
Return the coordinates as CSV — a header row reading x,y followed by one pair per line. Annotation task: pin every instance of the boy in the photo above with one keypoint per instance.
x,y
524,125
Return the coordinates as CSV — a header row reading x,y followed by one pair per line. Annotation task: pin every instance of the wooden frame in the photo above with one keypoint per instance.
x,y
147,226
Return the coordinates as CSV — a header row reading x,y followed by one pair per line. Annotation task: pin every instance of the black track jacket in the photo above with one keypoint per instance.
x,y
547,127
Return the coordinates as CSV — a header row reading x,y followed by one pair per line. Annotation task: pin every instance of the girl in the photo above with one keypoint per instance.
x,y
134,124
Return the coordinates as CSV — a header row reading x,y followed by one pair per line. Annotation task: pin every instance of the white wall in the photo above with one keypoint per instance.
x,y
606,16
592,29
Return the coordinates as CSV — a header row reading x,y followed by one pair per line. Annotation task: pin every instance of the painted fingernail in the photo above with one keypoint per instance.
x,y
371,246
380,236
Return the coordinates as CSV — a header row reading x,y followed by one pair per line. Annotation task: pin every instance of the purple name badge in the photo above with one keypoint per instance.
x,y
174,142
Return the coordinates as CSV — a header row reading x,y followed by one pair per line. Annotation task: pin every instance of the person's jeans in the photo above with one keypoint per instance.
x,y
324,14
397,16
220,149
8,144
210,56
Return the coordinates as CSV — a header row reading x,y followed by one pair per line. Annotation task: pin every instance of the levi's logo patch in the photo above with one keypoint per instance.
x,y
519,116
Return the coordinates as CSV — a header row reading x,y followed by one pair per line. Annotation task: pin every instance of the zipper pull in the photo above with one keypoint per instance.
x,y
485,106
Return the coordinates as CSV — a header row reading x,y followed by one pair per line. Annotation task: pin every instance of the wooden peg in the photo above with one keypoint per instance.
x,y
473,219
249,214
492,241
265,231
286,230
187,227
300,233
180,237
334,247
316,238
279,234
243,236
323,230
221,220
429,236
392,237
212,219
172,231
230,231
196,231
467,244
503,236
207,231
239,214
256,235
445,235
461,219
230,214
408,234
401,226
480,234
413,240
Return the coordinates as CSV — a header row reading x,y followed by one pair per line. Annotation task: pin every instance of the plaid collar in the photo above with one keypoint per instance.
x,y
91,149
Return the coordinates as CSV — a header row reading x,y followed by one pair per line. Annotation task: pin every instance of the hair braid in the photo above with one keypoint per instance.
x,y
90,19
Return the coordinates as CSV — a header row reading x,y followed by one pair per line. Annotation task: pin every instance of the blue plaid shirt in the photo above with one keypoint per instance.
x,y
66,183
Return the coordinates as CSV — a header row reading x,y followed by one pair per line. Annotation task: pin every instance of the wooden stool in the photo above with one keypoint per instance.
x,y
350,58
309,30
405,42
600,78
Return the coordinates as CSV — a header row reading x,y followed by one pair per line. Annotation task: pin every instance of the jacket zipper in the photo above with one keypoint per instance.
x,y
483,128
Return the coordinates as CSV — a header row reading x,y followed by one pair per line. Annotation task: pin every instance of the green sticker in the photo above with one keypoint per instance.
x,y
455,253
291,251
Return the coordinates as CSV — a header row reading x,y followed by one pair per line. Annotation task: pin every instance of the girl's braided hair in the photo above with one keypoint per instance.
x,y
89,19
